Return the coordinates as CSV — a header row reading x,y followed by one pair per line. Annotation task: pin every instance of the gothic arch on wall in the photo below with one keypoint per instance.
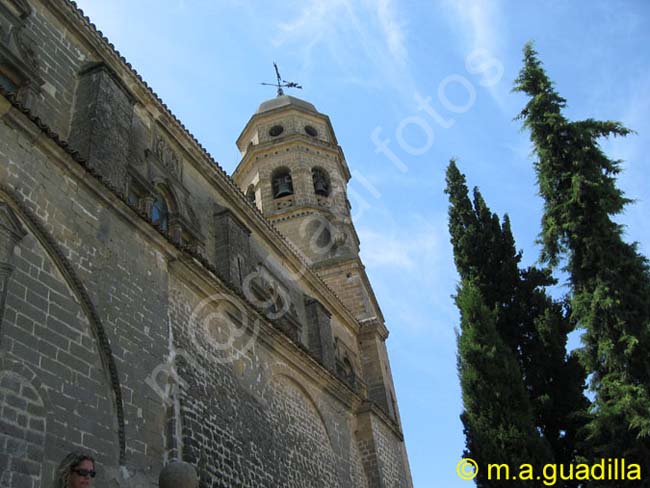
x,y
15,208
20,386
303,438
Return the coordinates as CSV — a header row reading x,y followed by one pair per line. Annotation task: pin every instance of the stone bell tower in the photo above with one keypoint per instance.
x,y
294,171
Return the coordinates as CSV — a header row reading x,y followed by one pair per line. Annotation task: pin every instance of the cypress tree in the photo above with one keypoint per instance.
x,y
497,417
609,280
531,329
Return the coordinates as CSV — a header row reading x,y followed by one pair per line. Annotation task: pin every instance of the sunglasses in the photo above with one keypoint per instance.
x,y
84,473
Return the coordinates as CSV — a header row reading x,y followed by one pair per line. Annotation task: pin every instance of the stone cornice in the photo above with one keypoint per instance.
x,y
208,283
200,270
200,158
298,211
43,137
271,114
248,158
372,409
374,326
324,266
67,158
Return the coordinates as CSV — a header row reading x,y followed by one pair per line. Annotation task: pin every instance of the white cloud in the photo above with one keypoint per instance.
x,y
352,32
404,251
481,27
314,21
479,21
393,31
411,267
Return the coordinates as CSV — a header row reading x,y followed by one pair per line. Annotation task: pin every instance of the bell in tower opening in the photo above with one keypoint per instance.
x,y
282,184
321,182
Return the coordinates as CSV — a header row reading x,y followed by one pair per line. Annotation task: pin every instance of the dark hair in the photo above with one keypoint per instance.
x,y
71,461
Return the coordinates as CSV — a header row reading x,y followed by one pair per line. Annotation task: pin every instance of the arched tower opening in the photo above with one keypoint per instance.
x,y
281,182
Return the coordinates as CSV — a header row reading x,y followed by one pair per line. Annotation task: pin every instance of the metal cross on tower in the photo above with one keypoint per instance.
x,y
280,84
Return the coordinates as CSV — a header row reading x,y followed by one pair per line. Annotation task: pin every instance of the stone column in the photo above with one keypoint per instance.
x,y
372,345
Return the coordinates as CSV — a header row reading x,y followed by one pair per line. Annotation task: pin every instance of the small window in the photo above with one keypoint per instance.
x,y
282,183
276,130
160,213
133,199
311,131
321,182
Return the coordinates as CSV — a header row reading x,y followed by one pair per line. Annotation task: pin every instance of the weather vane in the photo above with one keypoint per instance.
x,y
282,83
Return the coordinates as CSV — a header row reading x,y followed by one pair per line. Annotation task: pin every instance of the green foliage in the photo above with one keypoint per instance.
x,y
610,280
523,326
497,418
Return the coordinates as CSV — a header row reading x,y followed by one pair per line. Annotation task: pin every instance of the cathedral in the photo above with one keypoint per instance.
x,y
154,308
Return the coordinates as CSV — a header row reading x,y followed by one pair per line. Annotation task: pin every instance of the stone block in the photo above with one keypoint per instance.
x,y
101,122
233,251
320,342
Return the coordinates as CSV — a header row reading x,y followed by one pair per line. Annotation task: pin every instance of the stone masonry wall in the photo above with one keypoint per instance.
x,y
46,334
235,429
248,418
392,457
59,60
99,343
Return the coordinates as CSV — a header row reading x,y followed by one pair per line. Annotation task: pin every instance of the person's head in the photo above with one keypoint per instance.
x,y
75,471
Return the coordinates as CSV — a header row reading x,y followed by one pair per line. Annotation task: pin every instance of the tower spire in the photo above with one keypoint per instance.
x,y
280,83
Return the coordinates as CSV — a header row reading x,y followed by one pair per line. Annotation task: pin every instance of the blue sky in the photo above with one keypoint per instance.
x,y
364,63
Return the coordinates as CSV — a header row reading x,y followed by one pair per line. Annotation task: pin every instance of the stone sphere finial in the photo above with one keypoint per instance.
x,y
178,474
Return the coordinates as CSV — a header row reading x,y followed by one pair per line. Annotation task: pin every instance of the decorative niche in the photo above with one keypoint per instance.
x,y
346,367
321,180
19,66
269,295
156,190
170,210
165,157
137,189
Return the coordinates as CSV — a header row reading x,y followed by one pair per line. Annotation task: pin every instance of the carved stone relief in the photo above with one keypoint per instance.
x,y
166,156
